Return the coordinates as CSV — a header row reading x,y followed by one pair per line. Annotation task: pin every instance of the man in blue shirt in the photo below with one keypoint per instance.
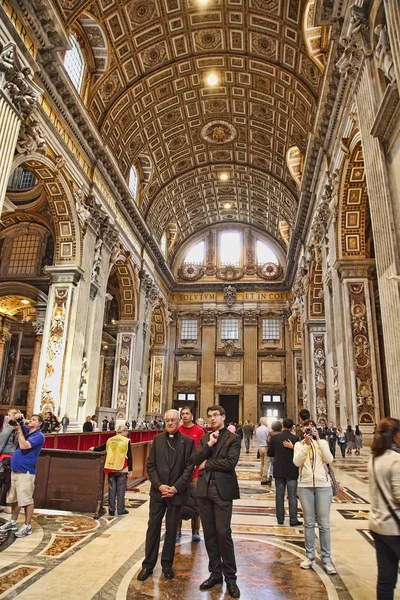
x,y
23,471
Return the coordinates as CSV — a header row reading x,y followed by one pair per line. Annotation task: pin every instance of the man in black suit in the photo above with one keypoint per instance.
x,y
169,468
285,472
217,486
332,437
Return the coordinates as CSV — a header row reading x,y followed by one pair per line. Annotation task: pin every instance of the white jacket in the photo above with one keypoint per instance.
x,y
387,471
310,459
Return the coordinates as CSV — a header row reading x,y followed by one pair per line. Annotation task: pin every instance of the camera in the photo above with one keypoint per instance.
x,y
308,430
13,422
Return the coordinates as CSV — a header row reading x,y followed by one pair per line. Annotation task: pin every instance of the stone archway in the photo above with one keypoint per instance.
x,y
68,235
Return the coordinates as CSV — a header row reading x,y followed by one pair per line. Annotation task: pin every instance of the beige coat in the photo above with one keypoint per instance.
x,y
387,470
312,472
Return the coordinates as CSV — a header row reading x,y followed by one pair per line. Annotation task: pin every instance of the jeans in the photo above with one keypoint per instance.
x,y
116,490
387,555
316,504
247,442
64,428
280,484
343,448
265,463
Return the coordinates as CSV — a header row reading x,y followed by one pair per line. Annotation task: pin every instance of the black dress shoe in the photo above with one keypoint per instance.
x,y
111,513
124,512
168,573
144,574
280,522
210,582
233,589
296,524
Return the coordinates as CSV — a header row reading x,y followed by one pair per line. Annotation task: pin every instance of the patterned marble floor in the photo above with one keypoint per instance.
x,y
75,557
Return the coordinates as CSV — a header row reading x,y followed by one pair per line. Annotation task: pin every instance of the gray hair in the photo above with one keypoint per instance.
x,y
120,428
264,421
172,410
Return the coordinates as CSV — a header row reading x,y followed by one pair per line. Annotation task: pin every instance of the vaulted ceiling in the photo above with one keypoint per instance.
x,y
154,101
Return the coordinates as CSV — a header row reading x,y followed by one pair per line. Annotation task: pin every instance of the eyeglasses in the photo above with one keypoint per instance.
x,y
171,420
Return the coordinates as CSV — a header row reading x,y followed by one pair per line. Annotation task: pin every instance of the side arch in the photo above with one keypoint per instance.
x,y
67,233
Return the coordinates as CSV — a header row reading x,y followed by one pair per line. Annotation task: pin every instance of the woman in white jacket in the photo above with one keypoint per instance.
x,y
315,493
384,516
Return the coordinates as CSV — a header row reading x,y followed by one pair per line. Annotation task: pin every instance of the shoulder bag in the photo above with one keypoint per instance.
x,y
382,493
334,482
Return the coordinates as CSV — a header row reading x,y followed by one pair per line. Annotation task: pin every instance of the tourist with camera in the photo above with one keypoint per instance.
x,y
312,455
23,471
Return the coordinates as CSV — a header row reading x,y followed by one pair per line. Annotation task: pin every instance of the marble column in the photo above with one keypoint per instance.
x,y
5,336
209,328
108,377
38,326
392,11
59,371
250,366
173,322
364,406
385,243
122,396
18,97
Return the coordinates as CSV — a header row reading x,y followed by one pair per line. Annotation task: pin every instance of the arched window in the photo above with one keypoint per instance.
x,y
163,244
195,256
230,248
74,64
133,182
21,179
265,254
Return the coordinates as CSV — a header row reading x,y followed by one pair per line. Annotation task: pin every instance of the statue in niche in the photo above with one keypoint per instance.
x,y
295,314
97,260
82,211
83,379
383,53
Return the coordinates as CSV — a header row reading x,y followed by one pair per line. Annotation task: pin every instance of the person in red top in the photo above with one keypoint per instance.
x,y
195,432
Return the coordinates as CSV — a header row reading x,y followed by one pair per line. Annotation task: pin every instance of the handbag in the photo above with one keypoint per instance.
x,y
389,506
334,482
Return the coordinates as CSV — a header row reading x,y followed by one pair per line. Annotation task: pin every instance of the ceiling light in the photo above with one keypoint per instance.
x,y
227,205
24,301
212,79
105,346
202,1
224,176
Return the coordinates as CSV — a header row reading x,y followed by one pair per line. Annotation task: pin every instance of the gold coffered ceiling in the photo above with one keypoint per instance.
x,y
154,101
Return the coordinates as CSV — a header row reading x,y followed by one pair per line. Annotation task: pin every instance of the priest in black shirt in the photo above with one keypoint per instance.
x,y
169,468
217,486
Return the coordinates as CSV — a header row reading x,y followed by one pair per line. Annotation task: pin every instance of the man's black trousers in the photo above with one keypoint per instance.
x,y
216,515
158,507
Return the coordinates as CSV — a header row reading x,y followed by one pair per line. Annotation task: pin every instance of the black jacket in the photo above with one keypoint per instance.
x,y
221,462
179,474
283,463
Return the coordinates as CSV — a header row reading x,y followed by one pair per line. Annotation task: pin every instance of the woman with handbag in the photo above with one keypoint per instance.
x,y
384,516
359,439
312,455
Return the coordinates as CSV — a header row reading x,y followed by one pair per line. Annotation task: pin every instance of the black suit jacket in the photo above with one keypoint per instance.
x,y
283,463
179,474
221,461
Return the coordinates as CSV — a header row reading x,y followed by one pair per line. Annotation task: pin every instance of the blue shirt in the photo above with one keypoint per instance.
x,y
24,461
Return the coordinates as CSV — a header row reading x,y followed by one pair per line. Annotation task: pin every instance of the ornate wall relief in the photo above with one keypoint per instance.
x,y
299,383
156,380
51,389
361,353
124,375
319,375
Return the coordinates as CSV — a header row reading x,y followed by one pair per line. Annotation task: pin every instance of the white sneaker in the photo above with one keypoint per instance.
x,y
11,525
308,563
24,531
329,568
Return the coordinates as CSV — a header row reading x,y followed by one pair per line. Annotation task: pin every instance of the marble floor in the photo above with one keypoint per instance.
x,y
76,557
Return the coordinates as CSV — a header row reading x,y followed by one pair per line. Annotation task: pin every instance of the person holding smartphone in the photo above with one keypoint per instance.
x,y
315,493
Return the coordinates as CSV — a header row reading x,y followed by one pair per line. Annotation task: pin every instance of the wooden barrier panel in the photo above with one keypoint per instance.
x,y
74,479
